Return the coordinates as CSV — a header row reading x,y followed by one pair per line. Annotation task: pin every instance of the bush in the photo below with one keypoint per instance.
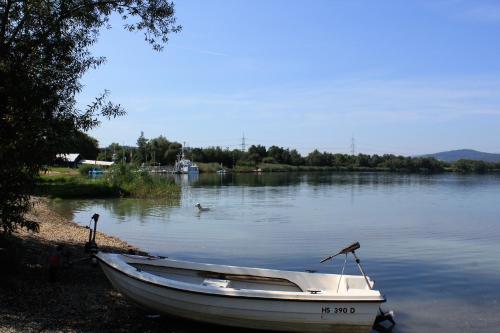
x,y
208,167
85,168
269,160
140,184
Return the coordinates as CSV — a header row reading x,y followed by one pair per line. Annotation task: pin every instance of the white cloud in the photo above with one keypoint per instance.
x,y
383,100
323,115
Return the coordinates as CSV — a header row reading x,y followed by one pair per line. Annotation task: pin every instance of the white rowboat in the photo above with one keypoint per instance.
x,y
246,297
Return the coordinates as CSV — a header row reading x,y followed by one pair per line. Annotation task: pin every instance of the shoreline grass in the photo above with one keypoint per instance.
x,y
119,181
208,167
275,167
77,187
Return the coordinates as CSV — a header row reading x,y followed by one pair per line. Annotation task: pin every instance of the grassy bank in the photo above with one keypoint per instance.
x,y
208,167
275,167
77,187
272,167
460,167
119,181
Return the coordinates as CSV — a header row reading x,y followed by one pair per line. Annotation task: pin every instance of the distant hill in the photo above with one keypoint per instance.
x,y
469,154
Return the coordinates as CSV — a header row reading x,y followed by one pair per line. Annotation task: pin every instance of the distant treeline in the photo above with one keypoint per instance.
x,y
161,151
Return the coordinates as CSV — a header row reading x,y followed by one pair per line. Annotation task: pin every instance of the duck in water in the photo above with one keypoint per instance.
x,y
202,209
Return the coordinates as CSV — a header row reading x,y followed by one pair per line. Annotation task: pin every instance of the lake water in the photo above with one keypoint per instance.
x,y
431,243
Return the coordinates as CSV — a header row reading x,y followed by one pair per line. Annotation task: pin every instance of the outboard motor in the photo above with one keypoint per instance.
x,y
91,245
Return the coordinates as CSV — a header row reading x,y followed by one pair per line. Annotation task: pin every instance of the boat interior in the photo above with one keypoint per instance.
x,y
221,280
250,278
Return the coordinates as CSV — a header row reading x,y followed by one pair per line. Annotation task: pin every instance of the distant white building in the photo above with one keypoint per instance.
x,y
96,163
75,160
70,160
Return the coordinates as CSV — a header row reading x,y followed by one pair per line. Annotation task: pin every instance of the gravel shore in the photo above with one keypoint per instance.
x,y
81,299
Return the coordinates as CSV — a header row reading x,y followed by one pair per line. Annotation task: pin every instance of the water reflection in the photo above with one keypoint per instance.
x,y
118,209
430,242
329,178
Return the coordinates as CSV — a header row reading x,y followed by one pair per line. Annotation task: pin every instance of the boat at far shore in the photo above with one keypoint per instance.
x,y
185,166
248,297
221,170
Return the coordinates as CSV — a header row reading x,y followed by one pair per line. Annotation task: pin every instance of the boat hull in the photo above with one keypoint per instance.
x,y
256,313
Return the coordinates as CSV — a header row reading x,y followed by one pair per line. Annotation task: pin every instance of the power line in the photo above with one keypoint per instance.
x,y
353,146
243,144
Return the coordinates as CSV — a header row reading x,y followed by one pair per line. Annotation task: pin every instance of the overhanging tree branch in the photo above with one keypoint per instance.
x,y
47,44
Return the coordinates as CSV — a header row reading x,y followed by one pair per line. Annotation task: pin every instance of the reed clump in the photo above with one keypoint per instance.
x,y
121,180
141,184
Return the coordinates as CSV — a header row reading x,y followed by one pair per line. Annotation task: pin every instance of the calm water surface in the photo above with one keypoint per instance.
x,y
431,243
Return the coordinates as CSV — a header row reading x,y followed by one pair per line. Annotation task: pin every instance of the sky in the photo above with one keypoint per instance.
x,y
403,77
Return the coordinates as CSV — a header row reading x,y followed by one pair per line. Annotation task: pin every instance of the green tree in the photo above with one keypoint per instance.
x,y
315,158
118,153
170,155
275,154
44,51
279,154
80,143
296,158
269,160
469,166
363,160
256,153
158,148
142,149
198,154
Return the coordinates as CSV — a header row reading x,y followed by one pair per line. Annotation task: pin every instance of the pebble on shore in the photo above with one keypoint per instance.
x,y
80,299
